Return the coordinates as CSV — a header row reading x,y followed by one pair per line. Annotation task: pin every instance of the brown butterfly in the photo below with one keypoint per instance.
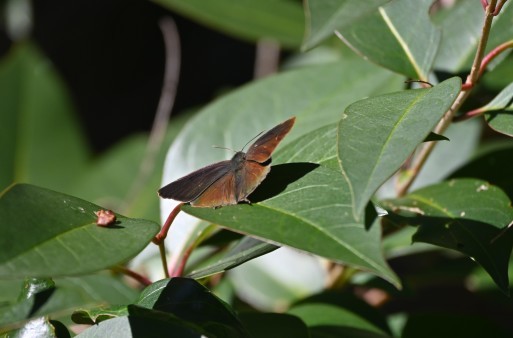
x,y
231,181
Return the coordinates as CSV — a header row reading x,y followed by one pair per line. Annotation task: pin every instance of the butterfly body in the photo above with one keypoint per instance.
x,y
231,181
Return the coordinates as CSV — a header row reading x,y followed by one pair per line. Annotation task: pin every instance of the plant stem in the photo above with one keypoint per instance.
x,y
138,277
163,258
462,96
159,238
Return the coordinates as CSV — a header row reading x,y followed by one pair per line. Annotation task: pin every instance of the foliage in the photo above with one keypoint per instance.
x,y
373,164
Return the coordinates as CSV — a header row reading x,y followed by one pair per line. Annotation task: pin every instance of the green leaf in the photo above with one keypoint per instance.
x,y
400,37
245,250
276,325
461,28
499,111
33,102
187,299
64,237
325,17
466,215
306,203
377,135
280,20
338,319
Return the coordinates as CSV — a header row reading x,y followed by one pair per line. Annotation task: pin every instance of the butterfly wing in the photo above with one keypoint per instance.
x,y
261,150
219,193
190,187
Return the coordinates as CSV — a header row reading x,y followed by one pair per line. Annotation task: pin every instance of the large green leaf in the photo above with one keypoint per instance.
x,y
466,215
461,28
400,37
46,233
281,20
377,135
276,325
40,142
306,203
323,18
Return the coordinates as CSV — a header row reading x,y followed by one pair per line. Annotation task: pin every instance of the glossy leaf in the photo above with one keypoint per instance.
x,y
190,301
33,101
306,203
400,37
465,215
378,134
64,238
323,18
97,315
461,28
245,250
280,20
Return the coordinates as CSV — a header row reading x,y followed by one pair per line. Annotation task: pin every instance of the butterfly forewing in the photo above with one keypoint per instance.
x,y
262,149
189,187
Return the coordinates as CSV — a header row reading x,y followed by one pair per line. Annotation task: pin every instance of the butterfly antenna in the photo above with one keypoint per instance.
x,y
218,147
260,133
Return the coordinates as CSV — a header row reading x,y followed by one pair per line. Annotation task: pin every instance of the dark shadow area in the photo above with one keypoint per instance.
x,y
279,178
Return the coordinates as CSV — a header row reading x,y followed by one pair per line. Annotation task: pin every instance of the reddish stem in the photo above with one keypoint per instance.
x,y
484,3
493,54
161,236
138,277
177,271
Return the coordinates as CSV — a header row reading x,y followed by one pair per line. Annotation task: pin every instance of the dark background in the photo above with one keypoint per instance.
x,y
110,54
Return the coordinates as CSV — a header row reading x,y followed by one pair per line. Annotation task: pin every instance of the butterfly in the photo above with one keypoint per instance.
x,y
229,182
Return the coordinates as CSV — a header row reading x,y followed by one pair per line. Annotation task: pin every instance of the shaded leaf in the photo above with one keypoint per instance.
x,y
250,20
400,37
378,134
190,301
276,325
306,203
323,18
245,250
435,137
465,215
63,236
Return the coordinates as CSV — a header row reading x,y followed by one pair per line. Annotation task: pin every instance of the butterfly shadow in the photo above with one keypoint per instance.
x,y
279,178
